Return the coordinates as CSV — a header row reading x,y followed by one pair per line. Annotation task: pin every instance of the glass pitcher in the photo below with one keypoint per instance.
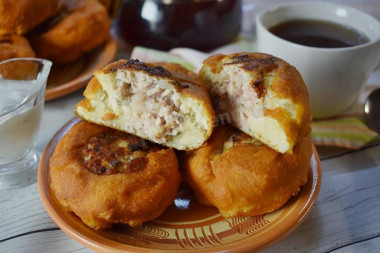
x,y
22,96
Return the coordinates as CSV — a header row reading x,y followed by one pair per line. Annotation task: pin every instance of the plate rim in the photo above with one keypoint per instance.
x,y
107,244
110,49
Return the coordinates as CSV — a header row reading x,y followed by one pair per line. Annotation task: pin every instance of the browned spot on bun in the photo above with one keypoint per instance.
x,y
115,152
134,64
258,64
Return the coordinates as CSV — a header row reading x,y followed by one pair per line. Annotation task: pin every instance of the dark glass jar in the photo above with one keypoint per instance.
x,y
164,24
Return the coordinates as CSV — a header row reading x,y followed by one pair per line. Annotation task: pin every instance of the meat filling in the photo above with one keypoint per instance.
x,y
156,106
236,95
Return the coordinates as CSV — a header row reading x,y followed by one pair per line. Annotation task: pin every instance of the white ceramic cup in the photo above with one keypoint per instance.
x,y
333,76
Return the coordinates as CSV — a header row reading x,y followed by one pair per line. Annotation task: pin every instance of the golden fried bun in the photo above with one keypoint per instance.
x,y
21,16
79,27
106,176
164,105
243,177
14,46
262,95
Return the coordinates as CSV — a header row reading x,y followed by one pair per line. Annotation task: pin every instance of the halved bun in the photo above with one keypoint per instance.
x,y
163,105
262,95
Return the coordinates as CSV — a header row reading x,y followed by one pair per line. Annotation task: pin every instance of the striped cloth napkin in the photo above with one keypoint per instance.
x,y
348,130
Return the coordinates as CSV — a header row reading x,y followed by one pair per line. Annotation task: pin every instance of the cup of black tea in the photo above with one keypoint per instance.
x,y
334,47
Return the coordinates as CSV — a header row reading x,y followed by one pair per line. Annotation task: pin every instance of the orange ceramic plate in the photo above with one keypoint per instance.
x,y
185,225
71,77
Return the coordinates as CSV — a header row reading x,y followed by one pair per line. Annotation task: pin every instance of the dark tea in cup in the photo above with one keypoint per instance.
x,y
318,33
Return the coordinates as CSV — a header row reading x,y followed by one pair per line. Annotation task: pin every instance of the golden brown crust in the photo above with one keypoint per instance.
x,y
19,17
272,80
14,46
82,26
246,178
104,183
93,86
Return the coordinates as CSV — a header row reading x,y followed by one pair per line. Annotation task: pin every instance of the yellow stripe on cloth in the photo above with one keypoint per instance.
x,y
347,132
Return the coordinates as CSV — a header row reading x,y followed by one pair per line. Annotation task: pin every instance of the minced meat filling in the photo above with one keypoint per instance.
x,y
238,99
156,110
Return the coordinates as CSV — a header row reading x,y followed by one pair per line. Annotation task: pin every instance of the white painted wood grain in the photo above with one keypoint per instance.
x,y
53,241
347,210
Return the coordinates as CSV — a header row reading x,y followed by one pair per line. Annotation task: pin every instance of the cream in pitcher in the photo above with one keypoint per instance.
x,y
18,129
22,92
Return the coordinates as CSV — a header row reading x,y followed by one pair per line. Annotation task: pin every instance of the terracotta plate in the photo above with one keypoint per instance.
x,y
185,225
71,77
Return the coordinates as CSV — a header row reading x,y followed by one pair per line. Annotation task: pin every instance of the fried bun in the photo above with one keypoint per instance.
x,y
260,94
19,17
106,176
14,46
79,27
243,177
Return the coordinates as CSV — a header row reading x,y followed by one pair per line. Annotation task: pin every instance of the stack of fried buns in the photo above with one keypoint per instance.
x,y
243,124
257,166
59,30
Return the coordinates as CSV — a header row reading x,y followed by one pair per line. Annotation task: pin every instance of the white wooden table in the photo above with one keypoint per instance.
x,y
345,217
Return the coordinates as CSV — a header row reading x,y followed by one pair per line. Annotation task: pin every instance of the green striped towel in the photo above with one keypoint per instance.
x,y
349,130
